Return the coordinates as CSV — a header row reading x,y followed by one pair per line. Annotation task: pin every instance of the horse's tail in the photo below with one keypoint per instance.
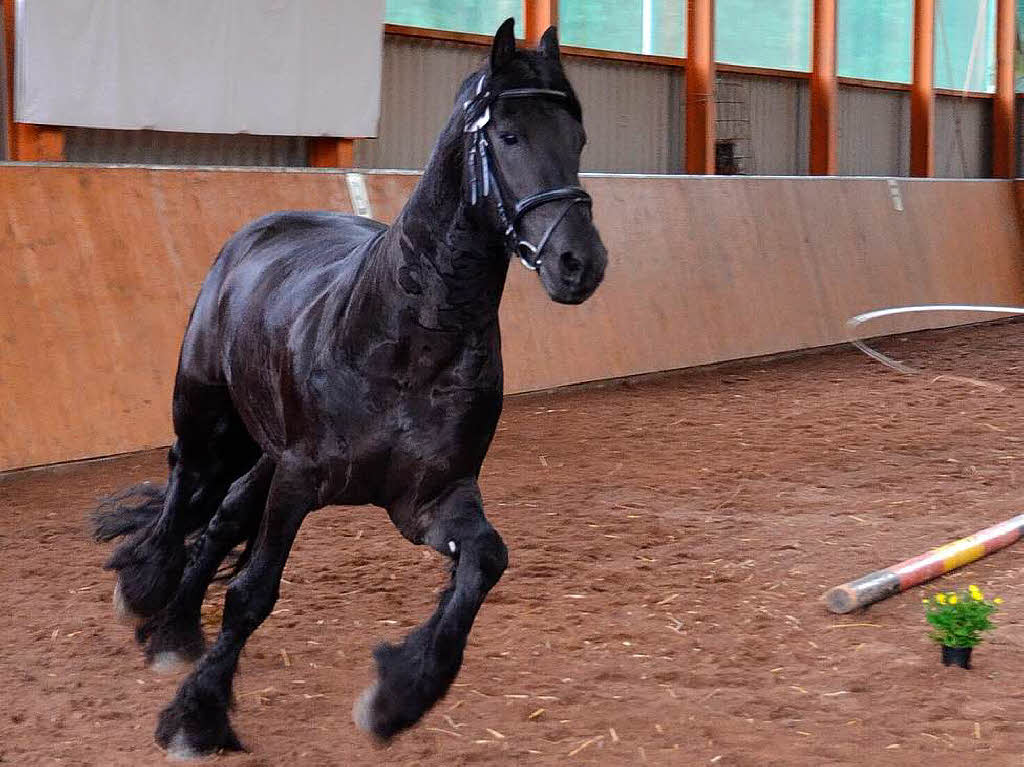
x,y
135,508
128,511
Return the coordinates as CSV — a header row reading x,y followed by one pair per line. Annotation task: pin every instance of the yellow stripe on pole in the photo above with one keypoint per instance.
x,y
961,552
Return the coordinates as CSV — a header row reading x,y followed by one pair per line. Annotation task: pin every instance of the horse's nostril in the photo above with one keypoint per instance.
x,y
570,264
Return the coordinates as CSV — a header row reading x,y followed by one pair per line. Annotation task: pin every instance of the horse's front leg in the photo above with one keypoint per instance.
x,y
414,675
196,721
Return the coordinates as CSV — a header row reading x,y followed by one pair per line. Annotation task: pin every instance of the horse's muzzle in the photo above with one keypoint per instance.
x,y
571,278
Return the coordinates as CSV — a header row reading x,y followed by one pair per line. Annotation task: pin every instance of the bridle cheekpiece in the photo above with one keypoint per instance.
x,y
484,175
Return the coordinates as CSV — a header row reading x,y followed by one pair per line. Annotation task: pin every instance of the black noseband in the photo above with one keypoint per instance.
x,y
483,173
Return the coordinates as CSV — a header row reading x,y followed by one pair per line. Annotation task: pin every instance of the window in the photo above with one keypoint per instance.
x,y
634,26
764,33
965,51
480,16
875,39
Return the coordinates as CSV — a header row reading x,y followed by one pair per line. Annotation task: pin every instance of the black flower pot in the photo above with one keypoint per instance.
x,y
956,656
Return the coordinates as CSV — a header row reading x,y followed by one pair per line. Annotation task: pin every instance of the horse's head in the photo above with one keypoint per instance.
x,y
523,135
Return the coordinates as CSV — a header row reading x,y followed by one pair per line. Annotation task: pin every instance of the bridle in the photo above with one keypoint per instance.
x,y
484,174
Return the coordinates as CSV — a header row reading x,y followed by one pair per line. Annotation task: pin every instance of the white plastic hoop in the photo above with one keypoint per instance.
x,y
854,322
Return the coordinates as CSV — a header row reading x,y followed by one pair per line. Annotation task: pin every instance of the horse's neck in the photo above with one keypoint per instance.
x,y
448,264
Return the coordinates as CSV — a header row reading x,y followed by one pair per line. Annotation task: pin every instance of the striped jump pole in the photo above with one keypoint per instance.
x,y
922,568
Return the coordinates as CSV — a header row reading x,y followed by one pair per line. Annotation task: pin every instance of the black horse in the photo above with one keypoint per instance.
x,y
332,360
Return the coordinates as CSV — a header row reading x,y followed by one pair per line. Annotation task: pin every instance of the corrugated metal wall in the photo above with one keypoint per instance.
x,y
165,148
874,131
632,112
633,115
1020,136
963,137
874,134
418,85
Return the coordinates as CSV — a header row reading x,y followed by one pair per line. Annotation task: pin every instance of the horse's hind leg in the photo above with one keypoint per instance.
x,y
414,675
174,636
211,451
196,722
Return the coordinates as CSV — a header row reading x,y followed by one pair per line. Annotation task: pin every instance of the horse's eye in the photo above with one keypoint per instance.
x,y
509,138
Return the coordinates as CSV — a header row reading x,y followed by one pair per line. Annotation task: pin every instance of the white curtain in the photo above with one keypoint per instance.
x,y
273,67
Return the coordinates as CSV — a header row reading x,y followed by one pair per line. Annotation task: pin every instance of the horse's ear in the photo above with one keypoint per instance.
x,y
504,48
548,45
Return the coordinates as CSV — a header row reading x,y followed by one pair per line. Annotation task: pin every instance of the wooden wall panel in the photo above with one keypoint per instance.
x,y
101,266
100,270
728,268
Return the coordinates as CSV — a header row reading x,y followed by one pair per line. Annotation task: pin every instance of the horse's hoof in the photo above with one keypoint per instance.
x,y
179,749
194,726
362,709
169,662
122,611
171,642
366,720
184,746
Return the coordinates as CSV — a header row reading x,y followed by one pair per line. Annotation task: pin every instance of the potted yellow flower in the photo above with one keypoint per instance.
x,y
958,619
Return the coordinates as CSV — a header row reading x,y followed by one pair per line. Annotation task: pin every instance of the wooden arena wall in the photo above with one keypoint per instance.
x,y
101,265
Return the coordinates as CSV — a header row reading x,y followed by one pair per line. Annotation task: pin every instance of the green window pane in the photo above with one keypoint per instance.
x,y
480,16
965,51
634,26
875,39
764,33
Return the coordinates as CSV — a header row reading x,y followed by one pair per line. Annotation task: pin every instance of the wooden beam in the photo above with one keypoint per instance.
x,y
922,92
823,155
700,86
1004,161
538,15
26,143
8,42
330,152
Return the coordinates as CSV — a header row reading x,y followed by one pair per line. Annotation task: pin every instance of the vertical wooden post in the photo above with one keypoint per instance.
x,y
25,142
823,156
700,86
8,40
1004,163
538,15
922,92
330,152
